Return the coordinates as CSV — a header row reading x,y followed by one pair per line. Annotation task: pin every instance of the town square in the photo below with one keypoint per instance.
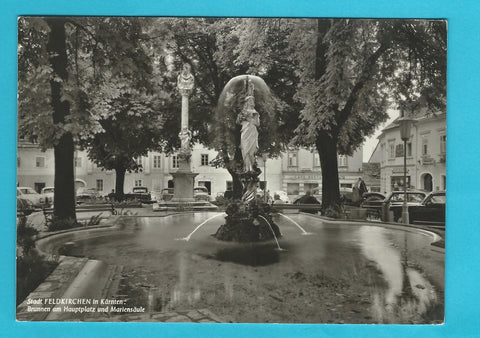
x,y
231,170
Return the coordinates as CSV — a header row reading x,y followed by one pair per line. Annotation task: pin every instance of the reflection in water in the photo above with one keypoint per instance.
x,y
183,291
249,254
409,294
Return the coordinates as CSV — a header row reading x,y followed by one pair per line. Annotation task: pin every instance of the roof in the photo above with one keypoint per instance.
x,y
423,115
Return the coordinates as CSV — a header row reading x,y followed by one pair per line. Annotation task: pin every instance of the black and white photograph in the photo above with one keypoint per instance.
x,y
231,170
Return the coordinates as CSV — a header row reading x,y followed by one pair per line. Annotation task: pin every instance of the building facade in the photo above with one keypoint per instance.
x,y
426,155
294,171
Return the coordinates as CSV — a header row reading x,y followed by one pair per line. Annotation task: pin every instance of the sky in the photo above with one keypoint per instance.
x,y
371,142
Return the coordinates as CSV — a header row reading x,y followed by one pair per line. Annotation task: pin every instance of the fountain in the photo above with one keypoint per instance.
x,y
173,270
349,272
249,218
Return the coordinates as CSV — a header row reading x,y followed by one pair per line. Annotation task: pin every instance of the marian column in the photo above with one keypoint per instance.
x,y
184,178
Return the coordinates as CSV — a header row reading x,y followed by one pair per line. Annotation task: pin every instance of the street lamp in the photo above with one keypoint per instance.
x,y
405,124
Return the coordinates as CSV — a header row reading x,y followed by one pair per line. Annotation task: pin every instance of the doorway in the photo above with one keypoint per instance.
x,y
427,182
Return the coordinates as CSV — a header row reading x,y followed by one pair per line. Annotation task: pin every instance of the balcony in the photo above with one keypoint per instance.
x,y
427,160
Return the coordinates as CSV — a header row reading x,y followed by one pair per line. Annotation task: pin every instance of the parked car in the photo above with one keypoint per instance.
x,y
47,193
283,196
28,193
201,194
372,201
167,194
140,193
394,202
431,211
317,193
346,195
86,194
24,207
308,199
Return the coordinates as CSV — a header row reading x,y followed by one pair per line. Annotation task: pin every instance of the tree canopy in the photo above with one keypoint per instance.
x,y
331,82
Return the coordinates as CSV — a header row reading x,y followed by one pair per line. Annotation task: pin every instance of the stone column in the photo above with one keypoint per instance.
x,y
183,178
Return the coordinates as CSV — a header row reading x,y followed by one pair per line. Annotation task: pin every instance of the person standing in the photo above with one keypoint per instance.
x,y
362,187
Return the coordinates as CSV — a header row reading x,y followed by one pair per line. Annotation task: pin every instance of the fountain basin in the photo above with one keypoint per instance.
x,y
342,273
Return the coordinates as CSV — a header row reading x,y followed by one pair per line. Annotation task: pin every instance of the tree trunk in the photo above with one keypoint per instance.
x,y
327,150
119,182
64,207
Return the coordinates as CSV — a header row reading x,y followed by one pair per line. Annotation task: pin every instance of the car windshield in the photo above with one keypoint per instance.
x,y
139,189
438,199
411,197
200,189
47,190
27,191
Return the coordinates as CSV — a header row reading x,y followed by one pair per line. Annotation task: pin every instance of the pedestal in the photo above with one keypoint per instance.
x,y
183,186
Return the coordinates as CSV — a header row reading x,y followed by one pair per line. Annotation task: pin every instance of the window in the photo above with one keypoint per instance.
x,y
293,188
78,162
204,159
424,145
138,160
138,183
99,185
229,186
157,161
391,150
18,162
292,159
174,161
40,162
399,150
316,160
342,161
443,144
409,149
396,183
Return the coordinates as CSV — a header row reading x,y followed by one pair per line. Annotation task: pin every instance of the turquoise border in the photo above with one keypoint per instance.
x,y
462,296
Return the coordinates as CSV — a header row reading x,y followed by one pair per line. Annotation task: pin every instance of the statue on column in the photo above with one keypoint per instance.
x,y
249,119
185,84
185,80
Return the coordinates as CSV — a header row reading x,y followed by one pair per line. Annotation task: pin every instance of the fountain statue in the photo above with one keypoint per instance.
x,y
249,120
249,218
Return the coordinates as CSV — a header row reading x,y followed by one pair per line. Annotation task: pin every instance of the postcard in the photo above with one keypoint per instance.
x,y
231,170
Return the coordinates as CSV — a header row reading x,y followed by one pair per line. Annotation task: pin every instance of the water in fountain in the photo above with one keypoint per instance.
x,y
305,233
273,233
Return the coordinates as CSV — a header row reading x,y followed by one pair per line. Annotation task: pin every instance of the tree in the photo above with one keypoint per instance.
x,y
349,75
52,112
345,74
131,127
218,50
207,44
124,100
94,67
